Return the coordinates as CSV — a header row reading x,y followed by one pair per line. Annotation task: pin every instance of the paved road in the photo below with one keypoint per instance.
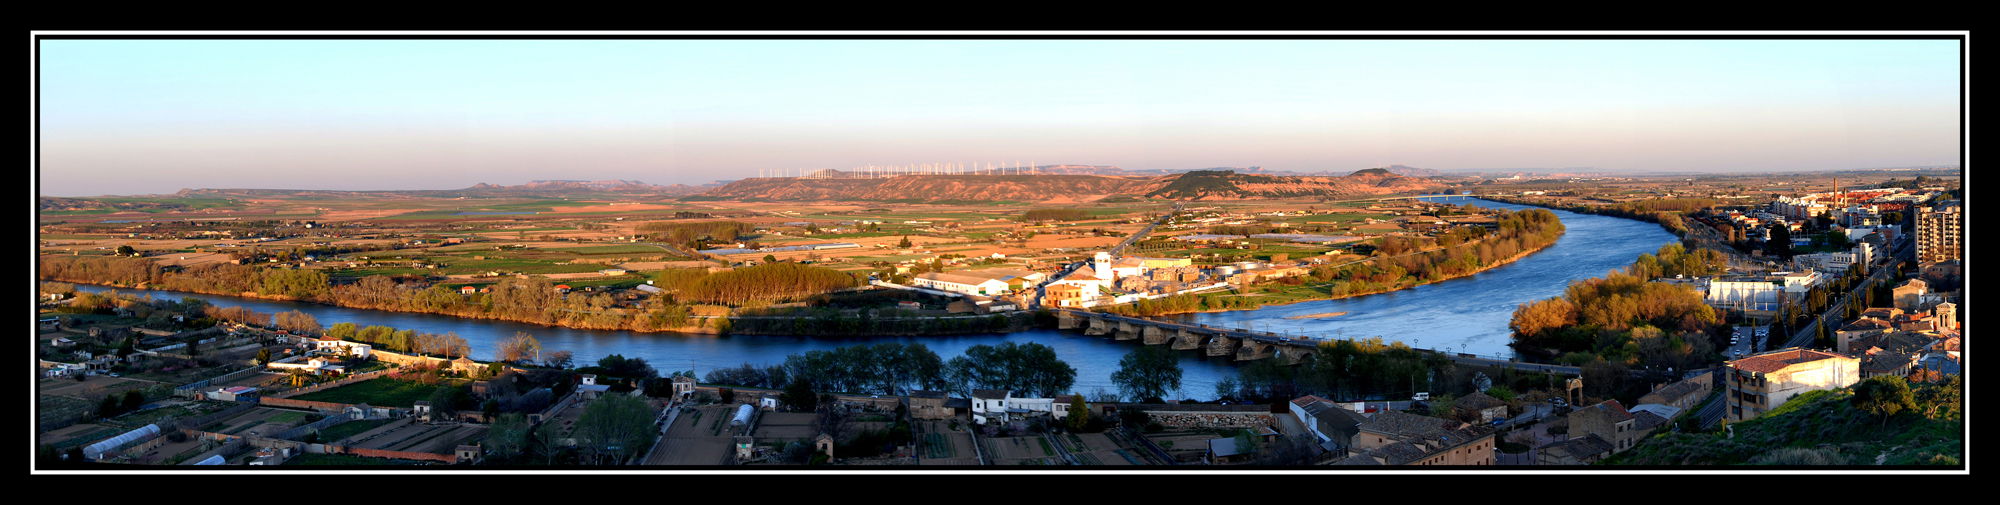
x,y
1804,336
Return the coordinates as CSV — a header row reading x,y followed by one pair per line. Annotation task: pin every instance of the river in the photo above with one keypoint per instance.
x,y
1468,315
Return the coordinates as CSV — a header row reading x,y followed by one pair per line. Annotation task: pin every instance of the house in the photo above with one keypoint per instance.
x,y
1332,425
563,288
1225,450
1489,408
467,290
1910,295
330,345
1761,382
961,283
1582,450
1607,420
314,366
1072,292
1000,405
1400,438
234,394
1684,394
590,389
925,404
683,386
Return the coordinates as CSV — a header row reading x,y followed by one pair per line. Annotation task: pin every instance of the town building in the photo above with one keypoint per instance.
x,y
1938,232
1761,382
1398,438
1607,420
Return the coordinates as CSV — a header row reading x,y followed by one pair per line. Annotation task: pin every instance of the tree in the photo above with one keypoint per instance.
x,y
617,365
126,250
558,359
1079,413
1148,373
296,321
509,437
770,258
522,347
799,396
263,356
612,428
133,400
1884,395
1780,244
905,244
1028,369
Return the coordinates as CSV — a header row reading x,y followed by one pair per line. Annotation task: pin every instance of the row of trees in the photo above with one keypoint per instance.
x,y
448,344
1339,369
531,300
1027,369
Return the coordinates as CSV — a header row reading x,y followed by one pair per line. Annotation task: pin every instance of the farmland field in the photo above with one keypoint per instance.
x,y
379,392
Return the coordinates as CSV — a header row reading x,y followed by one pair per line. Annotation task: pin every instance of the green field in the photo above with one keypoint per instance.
x,y
341,431
379,392
613,249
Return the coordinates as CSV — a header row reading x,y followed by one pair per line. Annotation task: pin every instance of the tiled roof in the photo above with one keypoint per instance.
x,y
1679,390
989,394
919,393
1479,401
1586,447
1778,360
1306,400
1609,409
1647,420
1405,425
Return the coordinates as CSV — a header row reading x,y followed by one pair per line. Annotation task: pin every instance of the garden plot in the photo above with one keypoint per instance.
x,y
430,438
693,440
258,422
940,445
1099,449
1029,450
786,427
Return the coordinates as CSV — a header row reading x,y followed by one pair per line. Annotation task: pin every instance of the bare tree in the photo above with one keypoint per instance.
x,y
558,359
521,348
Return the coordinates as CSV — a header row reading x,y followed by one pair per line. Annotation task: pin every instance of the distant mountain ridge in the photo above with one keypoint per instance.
x,y
1193,185
532,188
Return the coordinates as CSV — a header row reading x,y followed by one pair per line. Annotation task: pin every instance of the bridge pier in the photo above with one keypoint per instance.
x,y
1254,350
1154,335
1185,340
1293,355
1222,345
1099,326
1126,331
1067,321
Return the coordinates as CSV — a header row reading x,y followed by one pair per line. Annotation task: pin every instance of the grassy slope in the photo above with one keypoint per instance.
x,y
1819,419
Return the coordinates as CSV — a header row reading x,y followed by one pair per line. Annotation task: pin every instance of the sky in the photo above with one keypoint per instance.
x,y
156,116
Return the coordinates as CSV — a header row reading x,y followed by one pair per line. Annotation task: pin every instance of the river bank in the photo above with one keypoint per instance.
x,y
1330,296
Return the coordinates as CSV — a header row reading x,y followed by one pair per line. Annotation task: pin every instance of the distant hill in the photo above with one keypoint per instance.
x,y
1229,185
1022,188
543,188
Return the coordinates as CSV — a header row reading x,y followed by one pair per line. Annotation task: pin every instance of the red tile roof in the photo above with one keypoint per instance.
x,y
1778,360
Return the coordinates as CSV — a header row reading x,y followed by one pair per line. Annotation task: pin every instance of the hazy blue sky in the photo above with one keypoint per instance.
x,y
128,117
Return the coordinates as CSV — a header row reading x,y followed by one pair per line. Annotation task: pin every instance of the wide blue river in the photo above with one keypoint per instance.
x,y
1461,315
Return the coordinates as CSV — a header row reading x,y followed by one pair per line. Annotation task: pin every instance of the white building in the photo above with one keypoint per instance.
x,y
338,346
958,283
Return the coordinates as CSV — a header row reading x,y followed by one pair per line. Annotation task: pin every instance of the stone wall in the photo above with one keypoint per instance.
x,y
331,384
1183,419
